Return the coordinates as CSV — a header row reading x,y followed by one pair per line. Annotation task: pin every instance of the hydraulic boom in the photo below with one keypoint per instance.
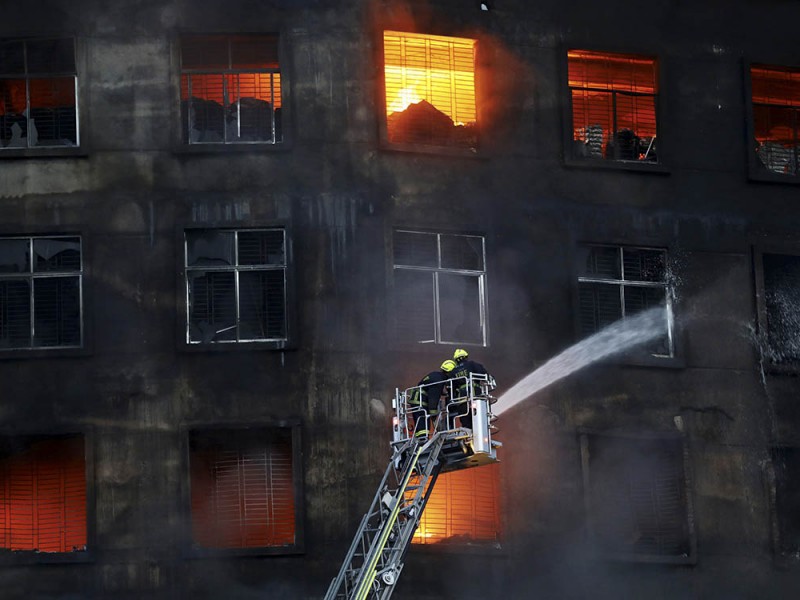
x,y
373,563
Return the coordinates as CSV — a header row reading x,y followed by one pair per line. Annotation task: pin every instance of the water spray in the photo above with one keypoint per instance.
x,y
617,337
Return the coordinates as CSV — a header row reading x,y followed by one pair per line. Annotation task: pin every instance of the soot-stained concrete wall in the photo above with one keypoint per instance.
x,y
134,390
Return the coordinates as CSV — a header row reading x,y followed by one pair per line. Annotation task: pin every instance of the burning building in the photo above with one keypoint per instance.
x,y
231,229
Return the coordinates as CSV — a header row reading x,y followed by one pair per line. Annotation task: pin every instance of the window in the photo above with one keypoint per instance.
x,y
776,117
780,302
462,509
614,99
430,90
619,281
636,498
43,494
235,286
786,465
40,292
243,488
440,287
230,89
38,94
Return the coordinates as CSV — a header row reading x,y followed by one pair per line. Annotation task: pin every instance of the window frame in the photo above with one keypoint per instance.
x,y
483,286
674,333
183,305
479,546
79,149
569,156
294,425
81,275
781,555
757,171
380,96
761,307
285,70
687,479
29,557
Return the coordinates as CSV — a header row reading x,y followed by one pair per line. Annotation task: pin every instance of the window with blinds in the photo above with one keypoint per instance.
x,y
462,509
615,282
242,488
430,90
614,98
786,467
40,292
38,93
440,287
231,89
235,285
43,494
776,117
636,497
781,301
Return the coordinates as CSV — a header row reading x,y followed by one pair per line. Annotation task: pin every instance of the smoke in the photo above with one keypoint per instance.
x,y
617,337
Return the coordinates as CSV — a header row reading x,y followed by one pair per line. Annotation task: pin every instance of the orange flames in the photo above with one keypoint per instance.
x,y
438,69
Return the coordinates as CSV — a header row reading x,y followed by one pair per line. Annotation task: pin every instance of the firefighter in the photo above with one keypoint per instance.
x,y
427,394
464,368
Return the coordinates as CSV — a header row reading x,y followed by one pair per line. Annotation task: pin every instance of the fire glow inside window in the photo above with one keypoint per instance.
x,y
636,498
230,89
462,509
613,106
43,494
235,285
430,90
40,292
776,117
243,488
619,281
38,94
440,287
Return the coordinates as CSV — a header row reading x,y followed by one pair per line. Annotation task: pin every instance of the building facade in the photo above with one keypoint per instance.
x,y
231,229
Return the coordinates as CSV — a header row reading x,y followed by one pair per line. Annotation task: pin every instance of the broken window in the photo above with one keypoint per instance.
x,y
776,117
619,281
636,498
40,292
614,99
430,90
235,285
43,494
786,465
440,287
243,488
782,301
38,93
230,89
462,509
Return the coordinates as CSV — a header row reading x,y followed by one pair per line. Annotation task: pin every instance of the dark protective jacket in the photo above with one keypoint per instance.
x,y
462,373
428,396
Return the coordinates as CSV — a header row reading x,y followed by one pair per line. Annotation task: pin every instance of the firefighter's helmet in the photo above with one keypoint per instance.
x,y
448,366
460,354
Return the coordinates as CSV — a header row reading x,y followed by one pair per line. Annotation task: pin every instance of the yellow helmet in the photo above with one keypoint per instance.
x,y
448,366
460,354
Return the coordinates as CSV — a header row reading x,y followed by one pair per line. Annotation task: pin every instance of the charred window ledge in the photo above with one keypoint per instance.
x,y
759,174
27,557
618,165
29,153
435,150
35,353
219,149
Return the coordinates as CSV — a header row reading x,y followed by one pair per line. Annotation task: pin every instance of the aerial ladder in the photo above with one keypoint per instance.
x,y
372,566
